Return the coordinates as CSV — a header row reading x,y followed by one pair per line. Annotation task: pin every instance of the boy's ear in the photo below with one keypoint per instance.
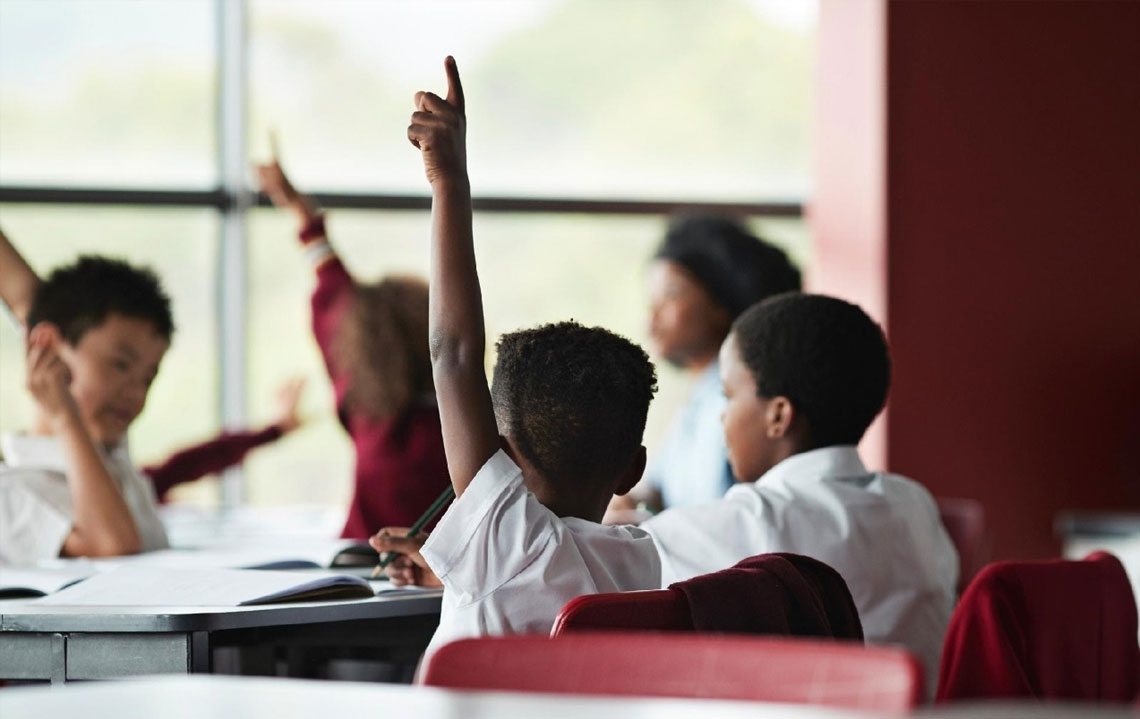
x,y
780,415
632,475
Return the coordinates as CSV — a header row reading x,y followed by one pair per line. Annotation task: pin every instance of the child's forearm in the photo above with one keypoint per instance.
x,y
456,307
457,335
102,524
18,281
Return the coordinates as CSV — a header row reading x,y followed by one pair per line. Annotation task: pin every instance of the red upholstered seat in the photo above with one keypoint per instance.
x,y
825,673
1050,630
965,522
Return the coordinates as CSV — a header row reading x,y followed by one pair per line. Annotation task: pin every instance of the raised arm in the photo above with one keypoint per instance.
x,y
455,321
18,281
333,292
102,525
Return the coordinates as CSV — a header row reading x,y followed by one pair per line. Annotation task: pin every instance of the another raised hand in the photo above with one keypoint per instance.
x,y
273,181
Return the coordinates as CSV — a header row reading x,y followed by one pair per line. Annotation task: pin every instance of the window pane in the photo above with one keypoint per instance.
x,y
694,99
533,268
180,245
116,92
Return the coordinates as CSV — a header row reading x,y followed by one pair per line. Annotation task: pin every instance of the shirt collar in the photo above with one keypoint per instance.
x,y
42,451
822,463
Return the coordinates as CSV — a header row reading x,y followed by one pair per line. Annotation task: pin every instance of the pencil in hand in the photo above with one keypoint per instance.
x,y
435,508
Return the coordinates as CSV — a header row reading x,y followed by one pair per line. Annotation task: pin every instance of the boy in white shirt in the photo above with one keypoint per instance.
x,y
535,459
99,329
803,377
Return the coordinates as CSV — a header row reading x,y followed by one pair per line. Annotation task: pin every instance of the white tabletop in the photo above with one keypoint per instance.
x,y
202,697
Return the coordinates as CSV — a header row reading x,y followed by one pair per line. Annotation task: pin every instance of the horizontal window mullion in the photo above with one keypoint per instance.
x,y
220,199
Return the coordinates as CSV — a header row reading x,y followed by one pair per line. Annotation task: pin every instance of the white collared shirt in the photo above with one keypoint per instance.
x,y
508,564
35,499
881,532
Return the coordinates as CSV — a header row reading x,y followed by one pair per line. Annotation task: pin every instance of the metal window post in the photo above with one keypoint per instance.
x,y
232,275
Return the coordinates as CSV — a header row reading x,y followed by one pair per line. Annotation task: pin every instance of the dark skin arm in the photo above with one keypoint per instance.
x,y
456,332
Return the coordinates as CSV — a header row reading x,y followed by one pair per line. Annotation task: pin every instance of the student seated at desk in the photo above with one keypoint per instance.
x,y
803,377
99,329
535,459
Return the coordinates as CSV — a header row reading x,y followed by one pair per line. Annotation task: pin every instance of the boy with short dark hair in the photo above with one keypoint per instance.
x,y
535,459
98,332
804,376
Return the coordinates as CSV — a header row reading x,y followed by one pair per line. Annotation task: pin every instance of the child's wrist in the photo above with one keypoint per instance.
x,y
455,181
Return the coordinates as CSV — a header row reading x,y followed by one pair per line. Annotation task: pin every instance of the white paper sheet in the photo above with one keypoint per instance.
x,y
155,586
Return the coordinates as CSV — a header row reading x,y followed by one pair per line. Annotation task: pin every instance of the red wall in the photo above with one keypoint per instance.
x,y
1012,243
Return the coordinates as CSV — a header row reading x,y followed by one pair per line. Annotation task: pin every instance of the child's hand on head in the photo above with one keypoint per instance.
x,y
439,128
286,415
409,566
48,378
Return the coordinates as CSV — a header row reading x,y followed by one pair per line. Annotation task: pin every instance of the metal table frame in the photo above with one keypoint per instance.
x,y
62,644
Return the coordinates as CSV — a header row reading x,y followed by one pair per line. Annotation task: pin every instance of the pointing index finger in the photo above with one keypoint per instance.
x,y
454,86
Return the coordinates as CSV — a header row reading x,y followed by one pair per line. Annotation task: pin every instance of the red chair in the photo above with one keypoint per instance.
x,y
769,594
653,610
965,522
1062,630
686,665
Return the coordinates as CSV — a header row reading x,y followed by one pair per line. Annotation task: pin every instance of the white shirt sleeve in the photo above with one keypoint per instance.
x,y
32,526
708,537
493,531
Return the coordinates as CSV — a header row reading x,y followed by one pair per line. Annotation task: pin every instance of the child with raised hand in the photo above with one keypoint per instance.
x,y
374,342
76,297
803,377
535,458
98,331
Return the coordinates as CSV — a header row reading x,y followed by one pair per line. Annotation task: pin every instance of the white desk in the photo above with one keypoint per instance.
x,y
241,697
63,643
201,697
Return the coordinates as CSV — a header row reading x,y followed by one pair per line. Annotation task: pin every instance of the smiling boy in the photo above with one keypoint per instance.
x,y
98,331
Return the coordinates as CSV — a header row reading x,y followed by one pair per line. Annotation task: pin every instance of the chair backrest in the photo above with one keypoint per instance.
x,y
965,522
690,665
653,610
1057,629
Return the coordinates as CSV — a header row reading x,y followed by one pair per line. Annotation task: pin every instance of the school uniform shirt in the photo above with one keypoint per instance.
x,y
881,532
508,564
691,466
35,500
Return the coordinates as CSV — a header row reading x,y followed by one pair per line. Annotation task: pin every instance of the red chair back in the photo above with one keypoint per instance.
x,y
688,665
1062,630
965,522
653,610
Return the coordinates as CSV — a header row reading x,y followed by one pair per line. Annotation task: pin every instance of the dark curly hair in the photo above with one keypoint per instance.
x,y
825,355
382,344
80,297
573,399
737,268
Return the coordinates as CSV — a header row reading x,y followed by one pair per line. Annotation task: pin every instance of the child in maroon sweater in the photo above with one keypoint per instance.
x,y
374,342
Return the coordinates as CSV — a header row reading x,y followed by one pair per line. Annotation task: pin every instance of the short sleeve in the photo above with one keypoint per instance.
x,y
32,527
492,532
703,538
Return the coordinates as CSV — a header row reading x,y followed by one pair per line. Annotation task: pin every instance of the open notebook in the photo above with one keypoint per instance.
x,y
306,554
155,586
16,582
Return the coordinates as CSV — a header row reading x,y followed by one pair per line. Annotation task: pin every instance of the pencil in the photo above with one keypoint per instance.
x,y
435,508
